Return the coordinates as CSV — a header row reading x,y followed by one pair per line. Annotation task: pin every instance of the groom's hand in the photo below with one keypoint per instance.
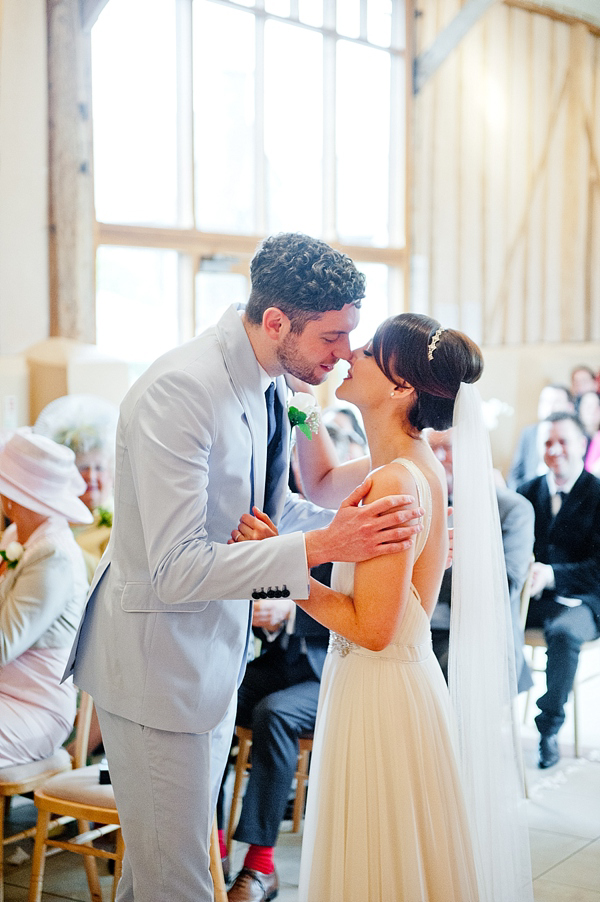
x,y
385,526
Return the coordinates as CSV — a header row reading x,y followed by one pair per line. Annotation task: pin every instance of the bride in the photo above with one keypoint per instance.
x,y
400,806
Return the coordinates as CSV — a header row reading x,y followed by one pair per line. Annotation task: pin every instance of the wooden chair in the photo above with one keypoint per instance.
x,y
535,639
216,866
243,764
524,607
77,796
19,779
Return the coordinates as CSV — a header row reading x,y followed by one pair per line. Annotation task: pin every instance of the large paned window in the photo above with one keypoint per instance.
x,y
219,122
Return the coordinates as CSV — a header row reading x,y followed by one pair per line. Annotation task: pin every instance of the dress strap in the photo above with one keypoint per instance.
x,y
423,499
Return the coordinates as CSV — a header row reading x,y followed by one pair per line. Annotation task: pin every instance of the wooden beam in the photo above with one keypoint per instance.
x,y
447,40
409,19
71,190
205,244
538,171
1,20
576,186
89,10
531,7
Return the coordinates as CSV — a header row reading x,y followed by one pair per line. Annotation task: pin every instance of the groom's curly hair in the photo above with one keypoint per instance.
x,y
303,277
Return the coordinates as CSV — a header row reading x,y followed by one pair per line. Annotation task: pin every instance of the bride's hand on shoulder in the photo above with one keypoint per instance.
x,y
253,527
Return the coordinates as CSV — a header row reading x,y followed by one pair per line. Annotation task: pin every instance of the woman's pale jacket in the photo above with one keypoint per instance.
x,y
42,598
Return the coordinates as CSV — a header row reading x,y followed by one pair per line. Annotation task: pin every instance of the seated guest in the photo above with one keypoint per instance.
x,y
43,586
588,412
277,700
342,422
528,459
87,425
583,379
516,521
592,457
565,589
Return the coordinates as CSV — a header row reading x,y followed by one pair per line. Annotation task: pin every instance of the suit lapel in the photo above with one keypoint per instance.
x,y
243,369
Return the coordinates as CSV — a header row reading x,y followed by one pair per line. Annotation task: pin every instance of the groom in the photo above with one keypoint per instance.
x,y
203,437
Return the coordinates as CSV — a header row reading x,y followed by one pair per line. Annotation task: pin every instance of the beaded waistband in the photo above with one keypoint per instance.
x,y
409,654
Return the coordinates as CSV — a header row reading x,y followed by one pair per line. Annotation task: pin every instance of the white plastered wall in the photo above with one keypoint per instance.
x,y
24,306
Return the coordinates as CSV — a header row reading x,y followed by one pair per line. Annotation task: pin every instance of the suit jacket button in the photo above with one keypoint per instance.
x,y
285,592
256,595
271,593
262,593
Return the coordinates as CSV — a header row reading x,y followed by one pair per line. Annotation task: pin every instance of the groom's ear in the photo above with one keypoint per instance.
x,y
275,323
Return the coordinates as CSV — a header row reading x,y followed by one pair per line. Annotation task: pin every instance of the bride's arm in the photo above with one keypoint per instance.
x,y
381,585
325,481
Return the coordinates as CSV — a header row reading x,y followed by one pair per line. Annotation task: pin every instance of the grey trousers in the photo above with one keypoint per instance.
x,y
166,787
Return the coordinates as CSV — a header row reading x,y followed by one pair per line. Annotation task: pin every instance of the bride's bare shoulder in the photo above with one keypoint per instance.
x,y
391,479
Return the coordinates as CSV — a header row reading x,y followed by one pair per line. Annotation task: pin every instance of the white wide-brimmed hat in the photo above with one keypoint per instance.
x,y
41,475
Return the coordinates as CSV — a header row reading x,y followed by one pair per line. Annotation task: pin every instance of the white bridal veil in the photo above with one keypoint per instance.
x,y
481,668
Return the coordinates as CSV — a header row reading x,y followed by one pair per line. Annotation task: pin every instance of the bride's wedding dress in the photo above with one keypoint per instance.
x,y
385,818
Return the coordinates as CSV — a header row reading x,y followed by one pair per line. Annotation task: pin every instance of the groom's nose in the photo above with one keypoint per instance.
x,y
342,348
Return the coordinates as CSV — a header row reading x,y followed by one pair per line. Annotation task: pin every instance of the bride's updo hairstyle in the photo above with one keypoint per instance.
x,y
412,349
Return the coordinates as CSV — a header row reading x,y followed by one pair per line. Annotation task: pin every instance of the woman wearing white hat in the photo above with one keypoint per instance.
x,y
43,586
87,424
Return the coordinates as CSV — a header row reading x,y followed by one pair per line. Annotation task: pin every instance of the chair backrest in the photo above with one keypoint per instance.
x,y
526,594
82,729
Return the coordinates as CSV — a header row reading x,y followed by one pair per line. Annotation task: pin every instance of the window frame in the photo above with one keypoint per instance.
x,y
193,245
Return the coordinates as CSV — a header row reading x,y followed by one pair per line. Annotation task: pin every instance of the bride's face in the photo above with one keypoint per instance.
x,y
365,385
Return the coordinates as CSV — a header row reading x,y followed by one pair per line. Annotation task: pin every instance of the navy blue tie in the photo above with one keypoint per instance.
x,y
276,461
271,419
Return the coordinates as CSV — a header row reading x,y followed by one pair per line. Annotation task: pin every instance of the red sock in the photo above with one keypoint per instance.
x,y
222,844
260,858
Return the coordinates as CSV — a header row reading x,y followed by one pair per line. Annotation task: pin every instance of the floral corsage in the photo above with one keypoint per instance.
x,y
12,554
103,516
303,412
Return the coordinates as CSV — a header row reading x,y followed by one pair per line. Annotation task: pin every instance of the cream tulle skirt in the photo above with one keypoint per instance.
x,y
385,818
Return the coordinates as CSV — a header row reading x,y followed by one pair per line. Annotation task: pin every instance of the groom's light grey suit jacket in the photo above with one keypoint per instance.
x,y
164,636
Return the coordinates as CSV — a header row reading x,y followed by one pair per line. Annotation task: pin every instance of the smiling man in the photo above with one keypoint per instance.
x,y
565,586
202,437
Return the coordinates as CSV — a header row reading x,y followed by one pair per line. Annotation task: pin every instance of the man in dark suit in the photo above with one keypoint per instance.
x,y
278,700
566,576
516,521
528,462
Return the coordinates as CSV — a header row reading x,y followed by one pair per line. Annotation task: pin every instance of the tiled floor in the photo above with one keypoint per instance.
x,y
564,819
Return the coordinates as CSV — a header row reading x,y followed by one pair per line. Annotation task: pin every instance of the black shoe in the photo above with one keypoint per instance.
x,y
252,886
549,754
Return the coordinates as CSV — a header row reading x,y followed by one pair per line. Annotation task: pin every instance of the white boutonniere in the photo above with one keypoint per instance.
x,y
12,554
303,412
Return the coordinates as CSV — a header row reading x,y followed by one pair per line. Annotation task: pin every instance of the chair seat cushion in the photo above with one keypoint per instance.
x,y
18,773
81,785
534,636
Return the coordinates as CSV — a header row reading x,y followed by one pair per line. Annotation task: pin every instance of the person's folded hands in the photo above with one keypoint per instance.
x,y
253,526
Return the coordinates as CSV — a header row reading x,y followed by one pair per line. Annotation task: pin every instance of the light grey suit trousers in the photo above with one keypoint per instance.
x,y
162,802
